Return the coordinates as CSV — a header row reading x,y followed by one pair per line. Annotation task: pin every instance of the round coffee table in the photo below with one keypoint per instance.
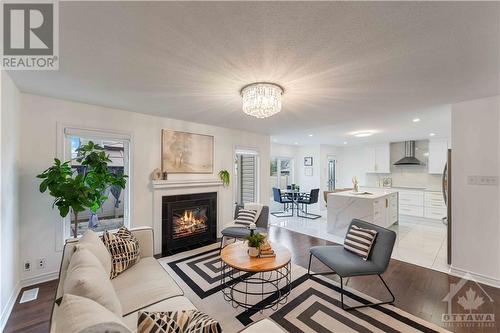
x,y
255,283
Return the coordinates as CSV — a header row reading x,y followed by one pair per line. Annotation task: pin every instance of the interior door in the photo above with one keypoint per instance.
x,y
332,177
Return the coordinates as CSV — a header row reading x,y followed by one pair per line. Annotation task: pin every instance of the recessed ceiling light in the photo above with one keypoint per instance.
x,y
416,120
432,134
362,134
295,143
311,134
345,142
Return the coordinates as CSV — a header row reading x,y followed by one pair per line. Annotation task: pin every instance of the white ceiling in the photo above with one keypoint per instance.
x,y
345,66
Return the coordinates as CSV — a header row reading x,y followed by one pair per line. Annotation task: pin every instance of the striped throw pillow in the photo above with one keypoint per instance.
x,y
124,249
245,217
360,241
190,321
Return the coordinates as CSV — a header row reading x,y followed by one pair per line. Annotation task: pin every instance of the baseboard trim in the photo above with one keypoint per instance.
x,y
39,279
488,280
9,306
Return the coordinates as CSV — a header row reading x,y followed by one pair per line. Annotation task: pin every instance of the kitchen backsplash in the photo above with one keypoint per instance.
x,y
408,175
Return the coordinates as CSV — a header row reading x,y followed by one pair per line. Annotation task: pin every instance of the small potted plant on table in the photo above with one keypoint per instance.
x,y
255,240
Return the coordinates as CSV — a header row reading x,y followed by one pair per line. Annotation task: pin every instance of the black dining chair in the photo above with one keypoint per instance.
x,y
290,194
309,199
279,198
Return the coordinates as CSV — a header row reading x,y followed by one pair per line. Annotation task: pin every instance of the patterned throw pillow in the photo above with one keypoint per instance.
x,y
245,217
360,241
124,249
191,321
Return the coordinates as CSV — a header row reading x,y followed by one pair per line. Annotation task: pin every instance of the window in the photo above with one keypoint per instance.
x,y
281,172
246,171
274,167
114,212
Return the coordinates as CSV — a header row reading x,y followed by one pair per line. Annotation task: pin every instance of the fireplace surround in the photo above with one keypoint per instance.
x,y
188,221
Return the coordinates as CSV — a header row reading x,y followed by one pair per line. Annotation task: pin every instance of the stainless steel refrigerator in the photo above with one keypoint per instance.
x,y
447,200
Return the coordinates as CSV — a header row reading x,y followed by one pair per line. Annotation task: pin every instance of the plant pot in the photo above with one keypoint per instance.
x,y
253,252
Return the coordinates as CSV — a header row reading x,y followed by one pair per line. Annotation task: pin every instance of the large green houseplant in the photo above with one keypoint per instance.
x,y
76,191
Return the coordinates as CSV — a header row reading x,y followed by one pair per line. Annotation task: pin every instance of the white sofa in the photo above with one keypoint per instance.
x,y
144,286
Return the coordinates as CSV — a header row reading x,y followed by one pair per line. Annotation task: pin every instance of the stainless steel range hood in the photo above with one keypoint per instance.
x,y
409,158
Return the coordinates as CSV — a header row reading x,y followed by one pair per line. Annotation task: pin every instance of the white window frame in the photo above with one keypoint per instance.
x,y
242,150
278,168
64,131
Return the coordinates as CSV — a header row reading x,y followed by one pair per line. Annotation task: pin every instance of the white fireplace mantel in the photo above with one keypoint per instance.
x,y
174,184
177,187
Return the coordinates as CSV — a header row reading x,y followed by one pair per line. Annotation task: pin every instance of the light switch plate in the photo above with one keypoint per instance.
x,y
472,180
482,180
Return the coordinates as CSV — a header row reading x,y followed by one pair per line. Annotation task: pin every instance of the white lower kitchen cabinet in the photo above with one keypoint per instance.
x,y
410,210
411,203
434,206
420,203
434,213
385,210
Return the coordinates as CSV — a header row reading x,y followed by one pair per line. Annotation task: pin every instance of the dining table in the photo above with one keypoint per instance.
x,y
294,195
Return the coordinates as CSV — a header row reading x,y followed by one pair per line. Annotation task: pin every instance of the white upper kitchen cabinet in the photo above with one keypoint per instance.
x,y
438,155
379,158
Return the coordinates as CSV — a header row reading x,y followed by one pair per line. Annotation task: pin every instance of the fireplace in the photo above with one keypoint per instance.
x,y
188,221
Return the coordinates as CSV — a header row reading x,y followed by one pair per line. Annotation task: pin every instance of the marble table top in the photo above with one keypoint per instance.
x,y
365,194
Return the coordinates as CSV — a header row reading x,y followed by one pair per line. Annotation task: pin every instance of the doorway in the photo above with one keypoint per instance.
x,y
331,173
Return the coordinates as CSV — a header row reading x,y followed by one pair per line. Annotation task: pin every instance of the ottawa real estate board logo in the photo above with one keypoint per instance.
x,y
30,32
470,307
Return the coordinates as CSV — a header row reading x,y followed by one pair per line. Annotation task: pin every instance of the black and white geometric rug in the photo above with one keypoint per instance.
x,y
312,306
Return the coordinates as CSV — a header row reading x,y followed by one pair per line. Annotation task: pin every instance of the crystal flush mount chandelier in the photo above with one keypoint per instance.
x,y
261,99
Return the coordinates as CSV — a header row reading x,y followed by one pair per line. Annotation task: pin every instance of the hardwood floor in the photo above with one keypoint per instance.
x,y
418,291
34,316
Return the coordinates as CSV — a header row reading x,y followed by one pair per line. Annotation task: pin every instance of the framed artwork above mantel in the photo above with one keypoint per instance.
x,y
183,152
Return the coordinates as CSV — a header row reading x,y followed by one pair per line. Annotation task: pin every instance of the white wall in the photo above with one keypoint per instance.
x,y
279,150
9,196
475,209
307,183
39,223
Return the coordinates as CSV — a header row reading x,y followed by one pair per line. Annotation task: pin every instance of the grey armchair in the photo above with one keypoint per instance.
x,y
242,232
347,264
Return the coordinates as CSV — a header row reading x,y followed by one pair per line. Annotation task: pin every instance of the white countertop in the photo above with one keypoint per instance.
x,y
396,188
372,194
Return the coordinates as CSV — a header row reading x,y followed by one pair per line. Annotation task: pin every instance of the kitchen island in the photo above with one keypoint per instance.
x,y
379,207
